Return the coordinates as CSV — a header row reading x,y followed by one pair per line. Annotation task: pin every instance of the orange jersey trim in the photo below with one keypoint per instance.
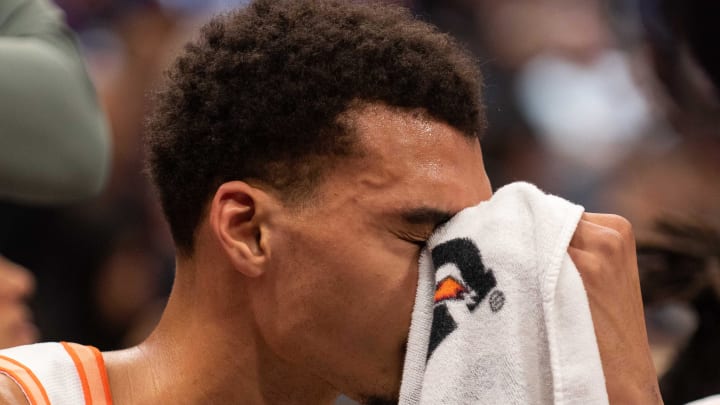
x,y
81,372
91,369
103,374
26,379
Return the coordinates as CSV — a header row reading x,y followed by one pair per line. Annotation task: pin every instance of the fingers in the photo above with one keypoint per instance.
x,y
591,269
16,282
600,226
16,326
603,248
609,237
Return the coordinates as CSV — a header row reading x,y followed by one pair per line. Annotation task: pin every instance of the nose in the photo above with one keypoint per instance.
x,y
16,282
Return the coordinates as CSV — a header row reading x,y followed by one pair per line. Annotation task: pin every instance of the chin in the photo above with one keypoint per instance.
x,y
379,400
384,388
383,393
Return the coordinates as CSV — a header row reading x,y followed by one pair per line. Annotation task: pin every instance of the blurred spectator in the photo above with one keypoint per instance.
x,y
672,194
677,29
105,265
54,141
672,197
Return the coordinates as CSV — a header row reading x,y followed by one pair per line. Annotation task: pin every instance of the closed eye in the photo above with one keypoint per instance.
x,y
420,243
419,223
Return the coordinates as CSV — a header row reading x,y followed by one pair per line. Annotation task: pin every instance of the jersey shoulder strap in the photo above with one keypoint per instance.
x,y
91,370
58,373
27,380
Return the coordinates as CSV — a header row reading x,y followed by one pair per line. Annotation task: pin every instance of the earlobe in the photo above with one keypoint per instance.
x,y
238,227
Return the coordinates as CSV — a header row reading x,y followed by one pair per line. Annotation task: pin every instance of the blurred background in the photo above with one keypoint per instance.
x,y
610,103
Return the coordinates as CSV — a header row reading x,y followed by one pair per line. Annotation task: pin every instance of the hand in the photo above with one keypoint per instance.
x,y
603,250
16,326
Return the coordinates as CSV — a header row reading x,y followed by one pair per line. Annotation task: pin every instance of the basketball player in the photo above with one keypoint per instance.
x,y
304,150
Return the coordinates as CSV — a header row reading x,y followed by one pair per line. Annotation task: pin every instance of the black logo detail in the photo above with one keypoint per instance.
x,y
465,255
496,300
443,324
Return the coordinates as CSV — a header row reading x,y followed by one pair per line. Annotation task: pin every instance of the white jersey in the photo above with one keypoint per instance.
x,y
58,373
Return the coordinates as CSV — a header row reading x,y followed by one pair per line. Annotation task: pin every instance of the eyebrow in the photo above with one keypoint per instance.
x,y
425,216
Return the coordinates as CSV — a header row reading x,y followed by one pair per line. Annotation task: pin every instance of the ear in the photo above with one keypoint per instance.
x,y
237,217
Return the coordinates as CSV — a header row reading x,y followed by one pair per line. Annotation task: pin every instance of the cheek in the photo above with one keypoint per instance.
x,y
342,303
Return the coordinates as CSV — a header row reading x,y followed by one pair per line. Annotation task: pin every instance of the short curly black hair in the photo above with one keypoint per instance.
x,y
260,95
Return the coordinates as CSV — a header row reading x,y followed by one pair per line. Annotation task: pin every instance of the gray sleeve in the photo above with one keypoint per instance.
x,y
54,140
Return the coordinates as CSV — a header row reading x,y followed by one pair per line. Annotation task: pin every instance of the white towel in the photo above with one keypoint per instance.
x,y
713,400
501,315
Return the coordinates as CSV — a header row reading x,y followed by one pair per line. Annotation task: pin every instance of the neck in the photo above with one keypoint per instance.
x,y
204,352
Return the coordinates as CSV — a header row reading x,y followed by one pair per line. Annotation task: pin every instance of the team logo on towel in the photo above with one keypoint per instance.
x,y
470,285
449,289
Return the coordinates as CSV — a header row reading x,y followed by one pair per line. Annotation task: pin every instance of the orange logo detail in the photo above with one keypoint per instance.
x,y
449,289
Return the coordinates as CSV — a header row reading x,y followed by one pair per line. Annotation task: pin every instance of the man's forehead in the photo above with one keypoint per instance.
x,y
407,124
411,166
410,136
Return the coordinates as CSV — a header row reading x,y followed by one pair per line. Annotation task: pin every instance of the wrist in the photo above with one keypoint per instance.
x,y
631,394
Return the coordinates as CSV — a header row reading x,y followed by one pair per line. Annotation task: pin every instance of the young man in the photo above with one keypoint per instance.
x,y
303,152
